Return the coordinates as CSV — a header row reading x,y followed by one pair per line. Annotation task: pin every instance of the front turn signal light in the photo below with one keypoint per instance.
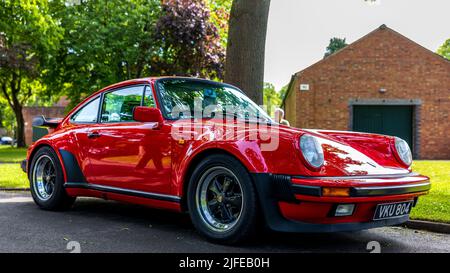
x,y
335,192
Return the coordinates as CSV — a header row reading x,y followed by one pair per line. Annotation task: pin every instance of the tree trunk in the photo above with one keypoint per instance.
x,y
244,65
20,126
1,117
16,106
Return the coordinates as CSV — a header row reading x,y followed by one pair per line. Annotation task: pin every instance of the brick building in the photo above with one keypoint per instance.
x,y
29,112
383,83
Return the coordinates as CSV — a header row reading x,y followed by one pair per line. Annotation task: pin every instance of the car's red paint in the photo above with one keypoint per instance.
x,y
118,158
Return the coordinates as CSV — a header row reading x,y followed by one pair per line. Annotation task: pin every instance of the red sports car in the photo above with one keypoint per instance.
x,y
203,147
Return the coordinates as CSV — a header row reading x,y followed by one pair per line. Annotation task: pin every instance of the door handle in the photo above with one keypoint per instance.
x,y
93,135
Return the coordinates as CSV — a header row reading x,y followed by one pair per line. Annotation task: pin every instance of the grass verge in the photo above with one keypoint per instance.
x,y
434,206
11,154
12,176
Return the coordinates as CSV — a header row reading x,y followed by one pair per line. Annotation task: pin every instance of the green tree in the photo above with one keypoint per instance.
x,y
28,37
444,49
3,106
7,118
283,91
189,42
105,41
220,15
335,45
271,98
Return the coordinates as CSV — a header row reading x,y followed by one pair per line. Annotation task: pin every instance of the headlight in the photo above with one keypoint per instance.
x,y
311,150
403,151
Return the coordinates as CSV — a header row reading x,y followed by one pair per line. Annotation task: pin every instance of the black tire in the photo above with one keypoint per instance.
x,y
245,225
58,199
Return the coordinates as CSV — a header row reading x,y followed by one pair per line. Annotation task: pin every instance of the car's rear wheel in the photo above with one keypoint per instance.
x,y
222,200
47,181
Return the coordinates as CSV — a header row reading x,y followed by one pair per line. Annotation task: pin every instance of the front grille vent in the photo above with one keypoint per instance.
x,y
282,188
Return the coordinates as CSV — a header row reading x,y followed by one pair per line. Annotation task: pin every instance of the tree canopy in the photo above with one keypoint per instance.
x,y
444,49
105,41
188,40
272,98
73,48
29,36
334,45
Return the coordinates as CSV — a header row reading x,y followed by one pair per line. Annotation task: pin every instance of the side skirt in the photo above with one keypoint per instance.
x,y
135,193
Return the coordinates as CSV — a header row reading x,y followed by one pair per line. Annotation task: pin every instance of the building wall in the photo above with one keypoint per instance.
x,y
290,106
382,59
30,112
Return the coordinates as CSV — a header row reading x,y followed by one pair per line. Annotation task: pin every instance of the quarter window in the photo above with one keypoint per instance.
x,y
149,101
118,105
88,113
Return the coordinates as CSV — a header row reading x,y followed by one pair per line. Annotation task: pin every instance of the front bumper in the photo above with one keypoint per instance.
x,y
378,185
296,204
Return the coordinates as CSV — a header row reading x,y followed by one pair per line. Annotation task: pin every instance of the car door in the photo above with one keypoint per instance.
x,y
80,123
126,154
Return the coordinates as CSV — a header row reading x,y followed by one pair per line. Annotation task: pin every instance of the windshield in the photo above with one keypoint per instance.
x,y
182,98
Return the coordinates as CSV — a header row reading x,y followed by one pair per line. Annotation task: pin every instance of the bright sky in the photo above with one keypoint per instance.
x,y
300,30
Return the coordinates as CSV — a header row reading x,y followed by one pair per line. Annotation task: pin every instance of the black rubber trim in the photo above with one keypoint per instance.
x,y
73,170
23,165
135,193
389,190
282,188
307,190
275,221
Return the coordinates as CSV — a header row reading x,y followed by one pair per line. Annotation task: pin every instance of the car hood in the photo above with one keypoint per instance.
x,y
353,153
345,153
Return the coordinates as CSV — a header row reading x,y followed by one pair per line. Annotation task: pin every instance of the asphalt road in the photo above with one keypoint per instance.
x,y
107,226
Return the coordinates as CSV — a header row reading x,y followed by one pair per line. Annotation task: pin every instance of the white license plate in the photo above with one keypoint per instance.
x,y
392,210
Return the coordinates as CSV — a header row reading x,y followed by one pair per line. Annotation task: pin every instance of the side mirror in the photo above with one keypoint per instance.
x,y
147,114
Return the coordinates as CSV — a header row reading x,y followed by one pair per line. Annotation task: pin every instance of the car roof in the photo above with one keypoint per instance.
x,y
155,78
144,81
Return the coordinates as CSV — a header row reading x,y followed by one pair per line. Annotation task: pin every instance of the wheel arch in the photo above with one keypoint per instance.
x,y
35,150
40,145
195,160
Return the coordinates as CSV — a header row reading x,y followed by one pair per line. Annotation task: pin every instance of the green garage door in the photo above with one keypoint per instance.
x,y
387,120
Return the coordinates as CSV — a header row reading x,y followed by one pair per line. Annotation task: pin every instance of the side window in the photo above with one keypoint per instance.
x,y
148,97
88,113
118,105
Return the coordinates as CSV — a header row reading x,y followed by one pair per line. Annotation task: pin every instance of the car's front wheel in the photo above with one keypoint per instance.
x,y
222,200
47,181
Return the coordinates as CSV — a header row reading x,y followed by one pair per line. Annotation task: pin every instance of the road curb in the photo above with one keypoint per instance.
x,y
14,189
429,226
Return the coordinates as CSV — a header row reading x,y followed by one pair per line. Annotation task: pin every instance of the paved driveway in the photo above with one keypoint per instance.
x,y
107,226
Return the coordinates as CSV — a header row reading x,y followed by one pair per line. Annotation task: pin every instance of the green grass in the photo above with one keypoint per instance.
x,y
436,205
12,155
12,176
